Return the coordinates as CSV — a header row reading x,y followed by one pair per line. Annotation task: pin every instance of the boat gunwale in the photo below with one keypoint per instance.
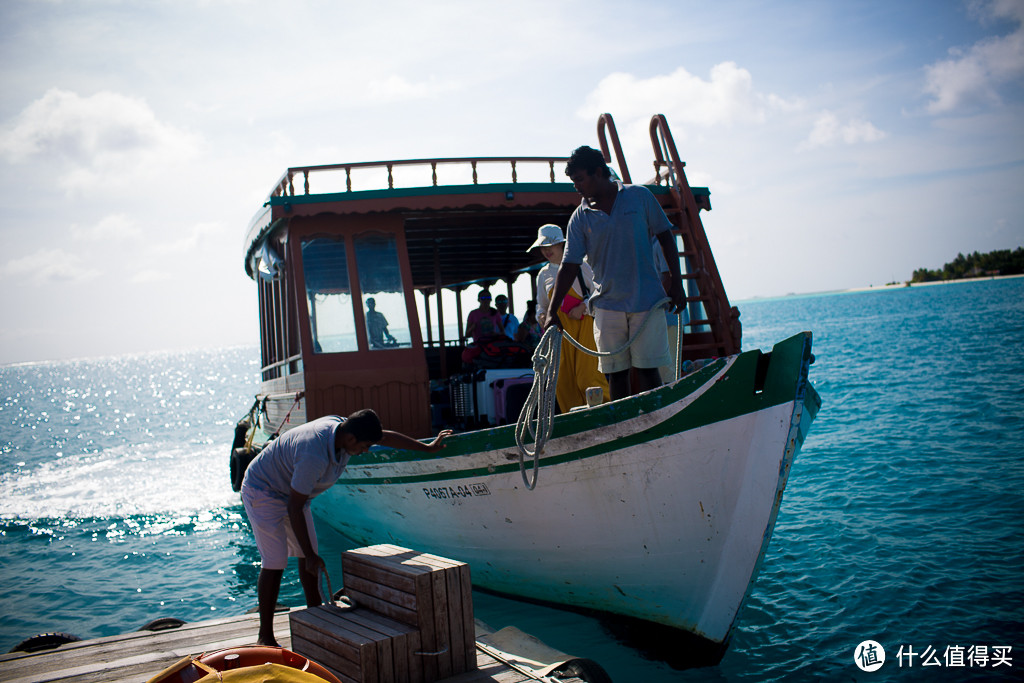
x,y
704,385
383,457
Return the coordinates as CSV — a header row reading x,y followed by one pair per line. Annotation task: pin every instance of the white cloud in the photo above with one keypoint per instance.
x,y
50,266
104,138
191,240
978,73
829,130
397,89
150,275
113,228
727,97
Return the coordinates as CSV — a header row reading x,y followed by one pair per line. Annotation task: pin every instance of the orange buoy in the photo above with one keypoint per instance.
x,y
193,668
238,657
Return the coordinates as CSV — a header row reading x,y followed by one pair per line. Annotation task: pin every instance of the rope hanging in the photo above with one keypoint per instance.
x,y
538,411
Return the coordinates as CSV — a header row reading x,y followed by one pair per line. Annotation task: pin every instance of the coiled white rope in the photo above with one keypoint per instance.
x,y
538,411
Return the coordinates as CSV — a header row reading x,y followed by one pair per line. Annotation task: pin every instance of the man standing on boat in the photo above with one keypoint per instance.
x,y
613,227
279,485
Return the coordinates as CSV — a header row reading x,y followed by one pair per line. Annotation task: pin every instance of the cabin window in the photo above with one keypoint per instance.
x,y
380,281
329,295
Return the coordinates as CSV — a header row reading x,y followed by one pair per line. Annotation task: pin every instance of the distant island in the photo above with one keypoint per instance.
x,y
999,262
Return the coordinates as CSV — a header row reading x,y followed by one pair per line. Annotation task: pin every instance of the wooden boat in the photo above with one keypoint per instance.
x,y
657,507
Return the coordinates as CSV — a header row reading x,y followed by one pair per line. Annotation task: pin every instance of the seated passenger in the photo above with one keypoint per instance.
x,y
482,326
528,334
509,322
377,327
484,323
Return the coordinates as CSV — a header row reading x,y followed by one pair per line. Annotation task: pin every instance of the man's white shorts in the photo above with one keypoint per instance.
x,y
275,538
612,329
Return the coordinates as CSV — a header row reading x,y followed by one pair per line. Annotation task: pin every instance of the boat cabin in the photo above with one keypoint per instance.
x,y
359,268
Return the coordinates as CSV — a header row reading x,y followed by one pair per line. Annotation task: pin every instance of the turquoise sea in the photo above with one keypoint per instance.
x,y
903,520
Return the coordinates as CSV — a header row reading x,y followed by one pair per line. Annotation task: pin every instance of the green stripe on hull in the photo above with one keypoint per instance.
x,y
731,396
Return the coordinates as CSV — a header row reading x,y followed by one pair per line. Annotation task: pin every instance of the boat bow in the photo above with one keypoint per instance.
x,y
660,506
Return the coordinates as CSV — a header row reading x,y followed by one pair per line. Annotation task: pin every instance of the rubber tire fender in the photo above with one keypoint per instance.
x,y
240,460
162,624
585,669
241,432
45,641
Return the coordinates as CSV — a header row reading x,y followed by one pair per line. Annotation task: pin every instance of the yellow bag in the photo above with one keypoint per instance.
x,y
191,670
264,673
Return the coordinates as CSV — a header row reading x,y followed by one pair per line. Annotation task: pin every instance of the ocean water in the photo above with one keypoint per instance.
x,y
902,523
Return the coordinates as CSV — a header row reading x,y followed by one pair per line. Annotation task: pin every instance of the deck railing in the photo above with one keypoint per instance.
x,y
462,170
282,367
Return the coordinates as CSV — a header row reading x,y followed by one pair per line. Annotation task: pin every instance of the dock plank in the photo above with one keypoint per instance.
x,y
171,644
138,656
134,656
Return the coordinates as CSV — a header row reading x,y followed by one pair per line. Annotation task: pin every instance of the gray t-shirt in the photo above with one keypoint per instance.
x,y
302,458
618,247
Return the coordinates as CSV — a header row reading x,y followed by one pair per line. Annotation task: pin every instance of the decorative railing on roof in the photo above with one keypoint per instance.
x,y
463,170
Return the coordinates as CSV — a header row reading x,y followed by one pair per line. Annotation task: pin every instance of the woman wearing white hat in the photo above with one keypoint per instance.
x,y
577,370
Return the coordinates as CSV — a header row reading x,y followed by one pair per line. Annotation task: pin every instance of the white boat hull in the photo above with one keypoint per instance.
x,y
629,517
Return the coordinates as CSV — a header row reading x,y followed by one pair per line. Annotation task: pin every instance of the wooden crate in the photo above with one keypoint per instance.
x,y
430,593
357,645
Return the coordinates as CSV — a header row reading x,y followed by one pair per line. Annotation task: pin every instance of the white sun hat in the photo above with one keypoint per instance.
x,y
547,235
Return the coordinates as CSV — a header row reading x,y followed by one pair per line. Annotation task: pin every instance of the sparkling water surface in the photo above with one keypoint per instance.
x,y
902,521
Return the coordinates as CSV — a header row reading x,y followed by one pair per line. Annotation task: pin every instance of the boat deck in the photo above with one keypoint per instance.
x,y
138,656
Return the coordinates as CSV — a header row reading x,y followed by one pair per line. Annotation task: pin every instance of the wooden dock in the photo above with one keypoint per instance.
x,y
136,657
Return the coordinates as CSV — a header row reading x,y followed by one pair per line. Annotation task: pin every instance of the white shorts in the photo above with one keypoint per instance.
x,y
612,329
275,537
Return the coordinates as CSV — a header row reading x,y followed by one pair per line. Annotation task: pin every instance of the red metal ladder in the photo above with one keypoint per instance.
x,y
704,284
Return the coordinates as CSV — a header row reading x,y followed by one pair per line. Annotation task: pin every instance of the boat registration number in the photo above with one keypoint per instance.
x,y
456,492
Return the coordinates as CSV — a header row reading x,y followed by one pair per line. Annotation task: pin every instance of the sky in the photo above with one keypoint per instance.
x,y
845,144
